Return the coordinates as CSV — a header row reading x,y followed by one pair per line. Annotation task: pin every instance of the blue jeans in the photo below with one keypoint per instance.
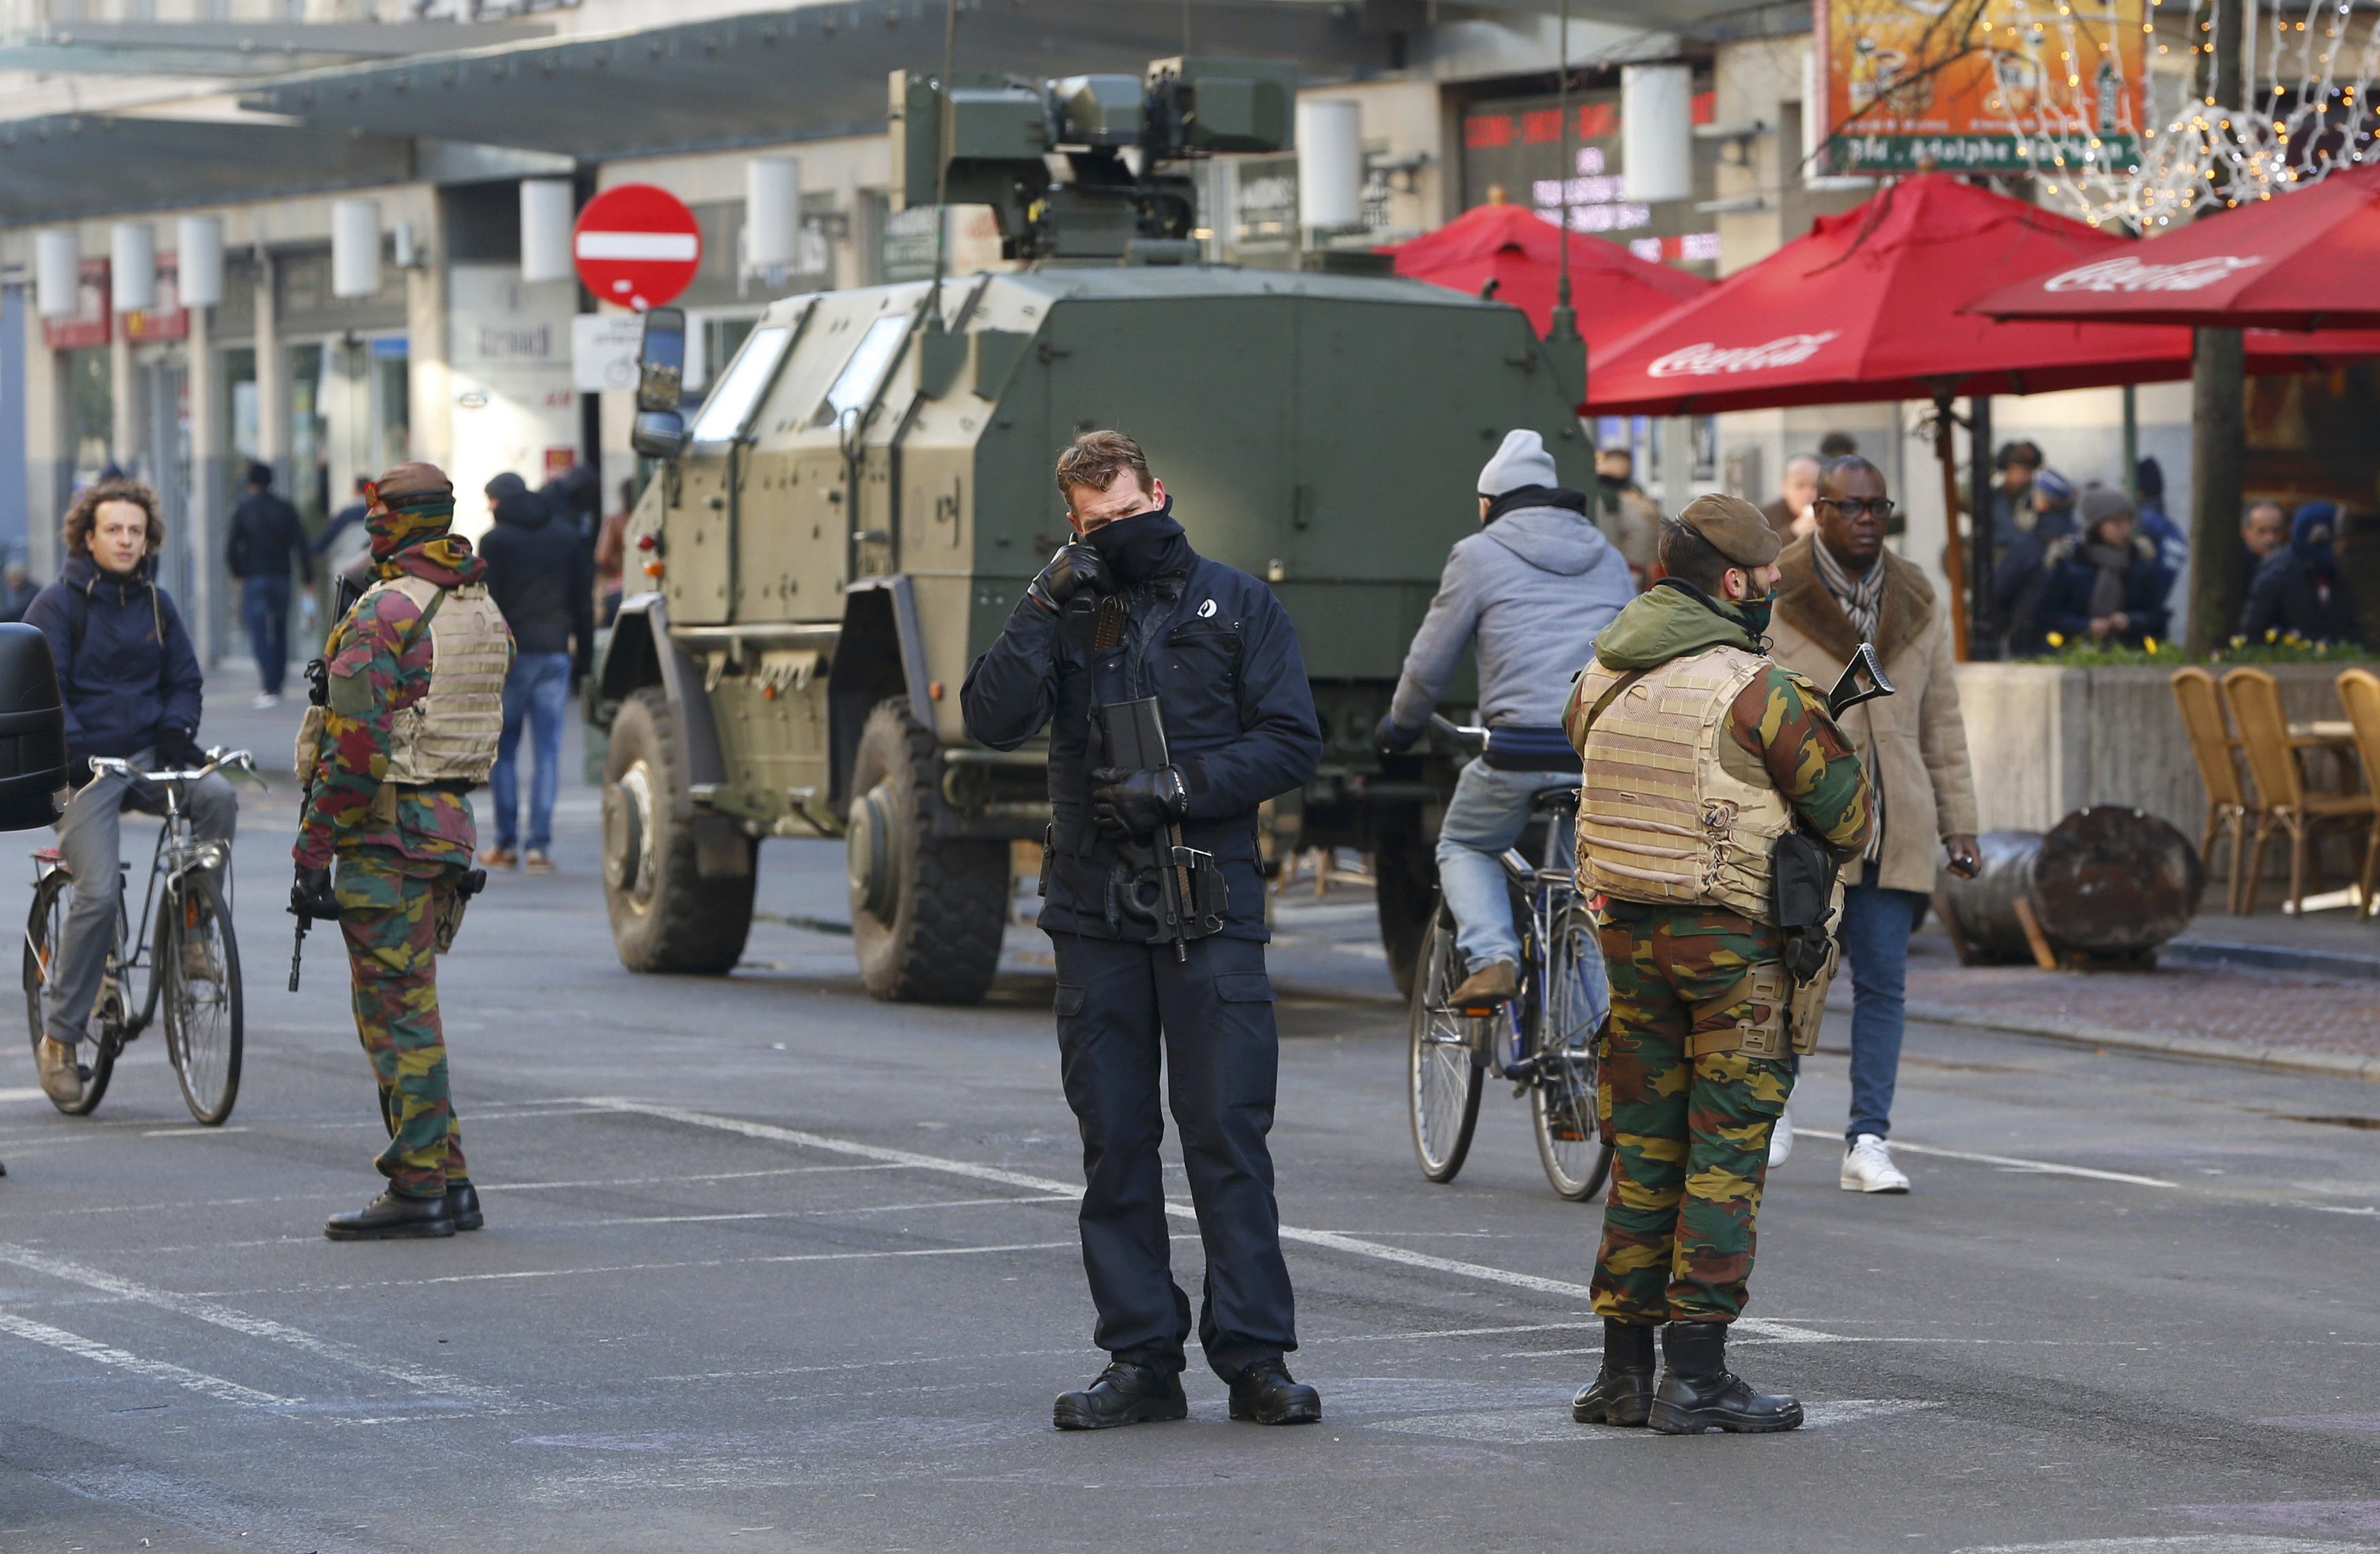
x,y
1877,926
537,688
1486,816
264,610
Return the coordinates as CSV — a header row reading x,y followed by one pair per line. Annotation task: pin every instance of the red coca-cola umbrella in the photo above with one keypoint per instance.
x,y
1615,292
1868,306
2304,260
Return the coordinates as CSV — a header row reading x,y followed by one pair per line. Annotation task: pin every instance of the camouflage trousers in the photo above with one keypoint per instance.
x,y
388,915
1690,1134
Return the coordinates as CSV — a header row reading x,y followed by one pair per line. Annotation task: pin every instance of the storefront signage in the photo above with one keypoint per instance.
x,y
2029,86
1512,150
168,321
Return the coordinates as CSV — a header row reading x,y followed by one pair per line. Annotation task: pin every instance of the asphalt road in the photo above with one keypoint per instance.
x,y
771,1266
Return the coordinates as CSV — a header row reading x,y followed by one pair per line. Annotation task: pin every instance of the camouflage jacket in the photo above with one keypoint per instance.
x,y
379,661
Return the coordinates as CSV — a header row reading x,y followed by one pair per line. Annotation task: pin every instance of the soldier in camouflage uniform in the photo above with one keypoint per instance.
x,y
1699,753
414,706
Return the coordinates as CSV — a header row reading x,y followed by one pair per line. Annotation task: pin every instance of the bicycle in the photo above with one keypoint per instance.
x,y
191,957
1543,1040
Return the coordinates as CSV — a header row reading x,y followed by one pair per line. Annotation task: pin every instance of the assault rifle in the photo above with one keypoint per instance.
x,y
1178,891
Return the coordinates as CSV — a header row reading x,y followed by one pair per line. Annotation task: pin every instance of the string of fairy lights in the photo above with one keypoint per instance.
x,y
2308,71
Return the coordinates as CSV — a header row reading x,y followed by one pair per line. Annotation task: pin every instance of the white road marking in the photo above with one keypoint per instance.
x,y
665,1181
2181,1543
817,1213
2011,1162
1351,1246
198,1308
189,1131
724,1262
155,1370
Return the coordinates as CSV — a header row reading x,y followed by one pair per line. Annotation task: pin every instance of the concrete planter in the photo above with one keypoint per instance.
x,y
2045,741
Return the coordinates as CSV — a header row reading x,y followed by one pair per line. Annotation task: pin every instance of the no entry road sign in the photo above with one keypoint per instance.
x,y
637,246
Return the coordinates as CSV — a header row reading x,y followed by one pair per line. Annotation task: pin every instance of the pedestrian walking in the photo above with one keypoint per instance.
x,y
2103,584
2300,591
2035,521
1530,590
386,800
1836,590
1701,753
1623,512
543,580
2155,525
1788,510
1133,611
16,590
266,539
612,555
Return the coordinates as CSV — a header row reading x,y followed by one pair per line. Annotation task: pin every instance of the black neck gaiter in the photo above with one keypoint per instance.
x,y
1143,546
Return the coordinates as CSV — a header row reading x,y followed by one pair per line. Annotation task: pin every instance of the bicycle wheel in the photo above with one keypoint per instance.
x,y
198,966
1443,1074
1562,1095
45,928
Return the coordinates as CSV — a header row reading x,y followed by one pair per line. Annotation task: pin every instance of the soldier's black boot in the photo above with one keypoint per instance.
x,y
1698,1392
1265,1394
1621,1392
393,1217
1125,1393
463,1206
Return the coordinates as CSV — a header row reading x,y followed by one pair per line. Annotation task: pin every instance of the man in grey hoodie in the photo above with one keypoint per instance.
x,y
1530,589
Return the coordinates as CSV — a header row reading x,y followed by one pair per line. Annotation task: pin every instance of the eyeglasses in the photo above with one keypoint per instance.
x,y
1881,506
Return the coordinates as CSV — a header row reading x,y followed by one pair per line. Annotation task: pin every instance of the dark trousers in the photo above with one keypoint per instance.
x,y
264,610
1222,1056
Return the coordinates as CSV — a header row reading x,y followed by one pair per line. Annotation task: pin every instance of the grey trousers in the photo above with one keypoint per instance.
x,y
89,839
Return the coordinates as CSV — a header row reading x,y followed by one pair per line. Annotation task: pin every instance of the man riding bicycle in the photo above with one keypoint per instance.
x,y
1533,588
131,685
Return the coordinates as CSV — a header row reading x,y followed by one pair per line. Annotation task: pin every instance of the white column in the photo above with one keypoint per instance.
x,y
431,399
123,425
271,376
206,480
45,436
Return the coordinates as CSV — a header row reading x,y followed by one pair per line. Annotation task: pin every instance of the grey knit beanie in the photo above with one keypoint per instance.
x,y
1522,461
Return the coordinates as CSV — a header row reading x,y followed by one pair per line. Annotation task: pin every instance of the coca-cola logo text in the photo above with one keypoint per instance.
x,y
1707,359
2133,273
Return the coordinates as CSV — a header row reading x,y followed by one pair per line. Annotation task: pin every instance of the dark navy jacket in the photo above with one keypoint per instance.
x,y
135,672
1219,652
2068,579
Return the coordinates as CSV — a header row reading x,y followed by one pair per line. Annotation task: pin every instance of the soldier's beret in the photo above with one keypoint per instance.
x,y
1735,529
414,485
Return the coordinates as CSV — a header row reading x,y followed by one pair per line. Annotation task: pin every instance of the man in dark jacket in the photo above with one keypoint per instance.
x,y
1133,611
543,580
2299,591
132,689
265,538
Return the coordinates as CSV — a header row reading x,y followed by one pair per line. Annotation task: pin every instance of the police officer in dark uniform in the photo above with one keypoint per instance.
x,y
1155,907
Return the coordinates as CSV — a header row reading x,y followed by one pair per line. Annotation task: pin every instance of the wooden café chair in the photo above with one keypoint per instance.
x,y
2285,804
2229,811
2359,691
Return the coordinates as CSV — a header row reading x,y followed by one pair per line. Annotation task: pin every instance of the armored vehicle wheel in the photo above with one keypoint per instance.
x,y
925,913
665,915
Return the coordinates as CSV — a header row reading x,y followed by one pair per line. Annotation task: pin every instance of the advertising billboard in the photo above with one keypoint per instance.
x,y
1983,85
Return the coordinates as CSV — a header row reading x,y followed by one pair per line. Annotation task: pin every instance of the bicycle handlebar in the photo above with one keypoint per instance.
x,y
238,761
1446,728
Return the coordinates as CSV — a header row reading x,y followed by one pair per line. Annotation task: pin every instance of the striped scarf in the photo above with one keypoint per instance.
x,y
1863,602
1861,599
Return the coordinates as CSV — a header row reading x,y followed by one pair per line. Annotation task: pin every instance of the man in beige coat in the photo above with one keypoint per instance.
x,y
1837,588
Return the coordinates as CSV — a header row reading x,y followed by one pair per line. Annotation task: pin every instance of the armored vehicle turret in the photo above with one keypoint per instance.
x,y
865,491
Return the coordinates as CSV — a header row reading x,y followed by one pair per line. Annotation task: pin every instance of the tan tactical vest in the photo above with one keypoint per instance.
x,y
450,734
1659,819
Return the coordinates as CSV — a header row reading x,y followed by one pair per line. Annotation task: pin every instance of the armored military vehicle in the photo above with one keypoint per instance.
x,y
867,490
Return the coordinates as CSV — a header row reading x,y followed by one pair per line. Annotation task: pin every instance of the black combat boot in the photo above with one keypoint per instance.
x,y
1125,1393
1623,1389
393,1217
1263,1394
1699,1393
463,1206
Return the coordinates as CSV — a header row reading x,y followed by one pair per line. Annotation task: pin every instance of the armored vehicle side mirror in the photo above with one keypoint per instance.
x,y
33,730
660,362
658,433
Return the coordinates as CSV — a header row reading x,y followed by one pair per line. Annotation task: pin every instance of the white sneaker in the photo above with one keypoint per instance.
x,y
264,699
1869,1168
1780,1139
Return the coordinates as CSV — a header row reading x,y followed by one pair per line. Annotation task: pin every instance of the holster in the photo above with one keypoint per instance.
x,y
1178,892
451,903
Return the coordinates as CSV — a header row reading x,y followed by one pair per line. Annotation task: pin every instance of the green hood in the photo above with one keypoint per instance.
x,y
1666,622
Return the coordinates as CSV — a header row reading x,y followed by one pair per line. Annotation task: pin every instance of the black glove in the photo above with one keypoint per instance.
x,y
178,748
78,769
318,682
1389,739
310,895
1128,804
1072,569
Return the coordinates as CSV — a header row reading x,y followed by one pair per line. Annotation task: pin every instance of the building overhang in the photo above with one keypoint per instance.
x,y
66,166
